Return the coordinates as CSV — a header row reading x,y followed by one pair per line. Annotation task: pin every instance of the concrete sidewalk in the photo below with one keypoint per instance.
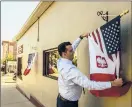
x,y
10,96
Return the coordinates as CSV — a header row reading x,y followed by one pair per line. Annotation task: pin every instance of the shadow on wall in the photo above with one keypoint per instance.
x,y
125,49
94,101
36,64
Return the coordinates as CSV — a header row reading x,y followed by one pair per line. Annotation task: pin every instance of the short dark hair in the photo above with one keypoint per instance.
x,y
62,47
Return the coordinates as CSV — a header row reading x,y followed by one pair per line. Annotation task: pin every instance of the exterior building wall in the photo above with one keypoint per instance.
x,y
15,50
65,21
9,48
5,49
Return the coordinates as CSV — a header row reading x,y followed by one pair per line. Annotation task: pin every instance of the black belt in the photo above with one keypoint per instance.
x,y
63,99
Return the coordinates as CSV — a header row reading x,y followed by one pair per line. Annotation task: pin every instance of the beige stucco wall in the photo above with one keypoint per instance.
x,y
65,21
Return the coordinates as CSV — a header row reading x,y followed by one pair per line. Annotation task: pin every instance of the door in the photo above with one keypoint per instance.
x,y
19,68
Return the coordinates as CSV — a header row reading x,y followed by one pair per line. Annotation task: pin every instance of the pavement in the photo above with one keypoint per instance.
x,y
10,96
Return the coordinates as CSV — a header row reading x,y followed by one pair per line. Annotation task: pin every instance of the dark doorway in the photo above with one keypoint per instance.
x,y
19,68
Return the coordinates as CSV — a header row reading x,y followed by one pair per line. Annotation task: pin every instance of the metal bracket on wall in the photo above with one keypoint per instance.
x,y
103,15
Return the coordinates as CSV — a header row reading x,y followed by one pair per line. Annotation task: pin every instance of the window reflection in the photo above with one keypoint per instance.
x,y
50,62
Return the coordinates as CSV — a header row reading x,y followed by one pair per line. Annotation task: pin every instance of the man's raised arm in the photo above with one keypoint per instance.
x,y
78,40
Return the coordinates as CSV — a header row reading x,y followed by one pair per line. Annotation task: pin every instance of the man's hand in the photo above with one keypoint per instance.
x,y
117,82
84,35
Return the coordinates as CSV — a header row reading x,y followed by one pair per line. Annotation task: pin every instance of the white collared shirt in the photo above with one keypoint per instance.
x,y
71,80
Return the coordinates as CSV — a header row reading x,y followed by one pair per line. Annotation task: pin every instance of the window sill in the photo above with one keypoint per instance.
x,y
52,77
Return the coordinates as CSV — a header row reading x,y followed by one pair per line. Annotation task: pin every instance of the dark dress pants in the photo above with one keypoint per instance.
x,y
61,102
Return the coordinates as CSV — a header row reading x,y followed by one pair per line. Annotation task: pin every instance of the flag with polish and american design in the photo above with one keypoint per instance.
x,y
104,49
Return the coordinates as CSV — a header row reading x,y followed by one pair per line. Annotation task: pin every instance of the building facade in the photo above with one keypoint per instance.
x,y
9,48
54,22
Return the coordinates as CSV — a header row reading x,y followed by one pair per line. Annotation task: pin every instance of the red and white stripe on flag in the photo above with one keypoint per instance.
x,y
30,63
27,70
104,48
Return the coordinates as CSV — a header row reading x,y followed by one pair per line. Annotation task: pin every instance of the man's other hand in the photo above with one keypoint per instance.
x,y
117,82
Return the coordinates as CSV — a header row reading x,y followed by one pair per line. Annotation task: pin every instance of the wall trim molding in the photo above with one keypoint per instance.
x,y
32,99
35,101
21,91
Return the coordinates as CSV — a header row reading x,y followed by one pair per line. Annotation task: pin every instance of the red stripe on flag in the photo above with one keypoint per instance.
x,y
116,54
115,73
26,72
94,37
99,39
114,91
89,35
102,77
110,56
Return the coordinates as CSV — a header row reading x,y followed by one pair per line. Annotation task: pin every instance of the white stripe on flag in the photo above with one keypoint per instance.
x,y
118,64
103,45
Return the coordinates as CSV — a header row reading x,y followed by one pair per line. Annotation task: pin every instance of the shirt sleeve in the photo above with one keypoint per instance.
x,y
76,43
80,79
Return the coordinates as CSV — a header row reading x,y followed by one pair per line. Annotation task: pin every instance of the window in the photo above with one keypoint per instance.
x,y
50,58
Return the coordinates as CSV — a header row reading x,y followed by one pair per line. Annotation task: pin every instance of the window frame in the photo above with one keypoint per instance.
x,y
45,64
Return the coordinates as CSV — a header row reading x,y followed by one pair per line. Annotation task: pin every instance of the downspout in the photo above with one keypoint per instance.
x,y
38,30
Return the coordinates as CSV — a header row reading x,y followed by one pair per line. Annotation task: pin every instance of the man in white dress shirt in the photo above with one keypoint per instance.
x,y
71,80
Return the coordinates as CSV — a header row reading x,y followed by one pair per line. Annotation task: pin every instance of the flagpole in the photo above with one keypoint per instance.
x,y
123,13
